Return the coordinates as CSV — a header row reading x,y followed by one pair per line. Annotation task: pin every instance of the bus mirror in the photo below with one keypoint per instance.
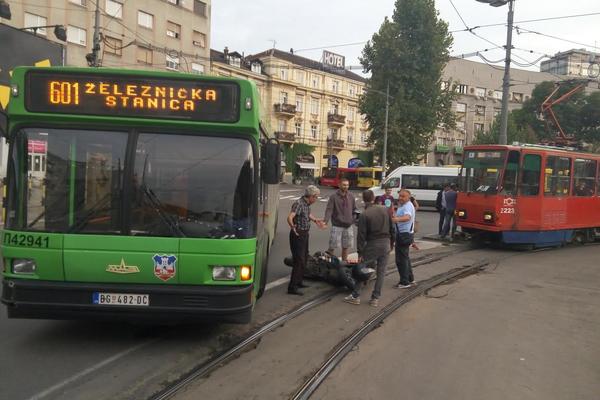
x,y
3,124
271,162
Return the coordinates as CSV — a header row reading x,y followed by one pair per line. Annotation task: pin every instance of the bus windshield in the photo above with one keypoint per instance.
x,y
482,170
147,184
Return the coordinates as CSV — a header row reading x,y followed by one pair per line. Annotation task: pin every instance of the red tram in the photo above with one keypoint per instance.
x,y
530,194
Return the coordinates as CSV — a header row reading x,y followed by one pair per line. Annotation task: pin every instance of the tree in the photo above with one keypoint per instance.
x,y
409,53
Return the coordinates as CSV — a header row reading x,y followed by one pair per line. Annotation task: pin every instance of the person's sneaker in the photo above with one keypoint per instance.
x,y
401,286
413,283
352,300
374,302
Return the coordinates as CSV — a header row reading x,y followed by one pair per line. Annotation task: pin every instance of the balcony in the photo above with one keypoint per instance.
x,y
285,109
288,137
335,143
336,119
458,150
441,148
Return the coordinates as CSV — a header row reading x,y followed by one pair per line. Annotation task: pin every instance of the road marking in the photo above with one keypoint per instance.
x,y
286,197
289,190
276,283
88,371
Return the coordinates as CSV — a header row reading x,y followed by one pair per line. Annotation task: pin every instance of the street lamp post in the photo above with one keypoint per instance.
x,y
385,130
503,137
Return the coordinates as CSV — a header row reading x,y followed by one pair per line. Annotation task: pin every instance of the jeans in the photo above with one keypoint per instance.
x,y
403,264
442,212
377,251
450,219
299,248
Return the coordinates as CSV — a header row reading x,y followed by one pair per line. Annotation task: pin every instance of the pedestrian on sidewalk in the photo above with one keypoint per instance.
x,y
374,242
440,206
405,222
299,220
340,209
450,220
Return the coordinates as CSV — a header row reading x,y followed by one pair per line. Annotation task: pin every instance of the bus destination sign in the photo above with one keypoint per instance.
x,y
125,96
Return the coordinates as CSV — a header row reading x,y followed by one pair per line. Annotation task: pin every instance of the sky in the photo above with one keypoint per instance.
x,y
251,26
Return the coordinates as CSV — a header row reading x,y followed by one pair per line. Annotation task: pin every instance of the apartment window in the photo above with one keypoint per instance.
x,y
315,81
350,135
283,97
78,2
256,67
498,94
479,110
235,61
333,133
313,131
314,106
335,108
199,39
200,8
350,113
283,72
114,8
76,35
173,30
335,86
461,108
144,55
363,137
518,97
172,63
459,143
497,112
444,85
299,102
197,68
174,2
480,92
351,90
440,141
460,125
298,128
478,128
461,89
300,77
113,45
146,20
282,125
36,20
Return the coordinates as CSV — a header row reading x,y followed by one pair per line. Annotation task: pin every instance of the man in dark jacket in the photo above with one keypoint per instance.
x,y
340,209
440,206
374,242
450,220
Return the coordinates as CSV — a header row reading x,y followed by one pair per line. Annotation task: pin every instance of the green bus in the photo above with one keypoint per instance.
x,y
136,195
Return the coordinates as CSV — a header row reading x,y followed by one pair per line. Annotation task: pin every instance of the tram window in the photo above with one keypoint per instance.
x,y
509,185
410,182
584,175
530,178
557,179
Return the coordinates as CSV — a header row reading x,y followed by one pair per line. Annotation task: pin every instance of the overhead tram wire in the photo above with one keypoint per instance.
x,y
528,21
459,16
555,37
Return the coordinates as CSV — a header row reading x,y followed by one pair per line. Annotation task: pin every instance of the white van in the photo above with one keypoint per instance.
x,y
423,182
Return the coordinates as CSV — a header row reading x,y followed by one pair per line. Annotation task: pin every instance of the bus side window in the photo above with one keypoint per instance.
x,y
530,178
393,183
410,182
509,185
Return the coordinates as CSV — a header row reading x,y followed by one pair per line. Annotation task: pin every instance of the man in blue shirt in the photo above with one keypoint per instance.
x,y
405,225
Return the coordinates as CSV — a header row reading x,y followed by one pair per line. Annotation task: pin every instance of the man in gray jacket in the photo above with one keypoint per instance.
x,y
340,209
374,242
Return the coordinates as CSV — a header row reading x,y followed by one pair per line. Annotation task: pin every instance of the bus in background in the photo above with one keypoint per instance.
x,y
423,182
151,206
369,177
333,176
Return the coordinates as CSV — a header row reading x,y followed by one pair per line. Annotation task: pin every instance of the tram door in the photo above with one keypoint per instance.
x,y
557,185
527,207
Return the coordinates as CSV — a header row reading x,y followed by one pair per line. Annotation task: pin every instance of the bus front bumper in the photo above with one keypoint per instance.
x,y
60,300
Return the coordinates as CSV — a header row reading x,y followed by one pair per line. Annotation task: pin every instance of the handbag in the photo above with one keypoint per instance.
x,y
404,238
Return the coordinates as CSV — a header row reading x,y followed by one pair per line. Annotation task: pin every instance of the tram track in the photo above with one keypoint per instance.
x,y
247,342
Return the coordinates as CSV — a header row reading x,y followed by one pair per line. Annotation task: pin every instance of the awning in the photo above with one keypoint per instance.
x,y
306,165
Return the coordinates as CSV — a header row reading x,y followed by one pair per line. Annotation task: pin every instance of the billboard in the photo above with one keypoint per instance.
x,y
24,48
334,60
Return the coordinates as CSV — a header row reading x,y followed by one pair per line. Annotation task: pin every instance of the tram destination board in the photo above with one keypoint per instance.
x,y
132,96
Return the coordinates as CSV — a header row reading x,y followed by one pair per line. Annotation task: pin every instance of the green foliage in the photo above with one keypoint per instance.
x,y
579,116
409,52
291,152
365,156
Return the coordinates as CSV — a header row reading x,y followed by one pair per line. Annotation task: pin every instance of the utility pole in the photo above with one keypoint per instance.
x,y
93,57
385,130
503,137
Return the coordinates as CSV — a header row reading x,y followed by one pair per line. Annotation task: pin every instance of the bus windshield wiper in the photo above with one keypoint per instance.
x,y
158,206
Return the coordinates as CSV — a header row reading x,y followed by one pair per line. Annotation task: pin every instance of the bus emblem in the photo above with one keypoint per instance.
x,y
122,268
164,266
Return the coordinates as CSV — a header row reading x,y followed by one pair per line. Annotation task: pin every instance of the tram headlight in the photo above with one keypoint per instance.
x,y
461,214
488,216
23,266
223,273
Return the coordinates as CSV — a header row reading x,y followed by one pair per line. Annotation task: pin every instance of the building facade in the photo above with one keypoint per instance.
x,y
478,102
574,63
153,34
312,107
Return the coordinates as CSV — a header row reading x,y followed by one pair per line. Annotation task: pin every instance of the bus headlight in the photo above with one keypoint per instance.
x,y
223,273
245,272
461,214
488,216
23,266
